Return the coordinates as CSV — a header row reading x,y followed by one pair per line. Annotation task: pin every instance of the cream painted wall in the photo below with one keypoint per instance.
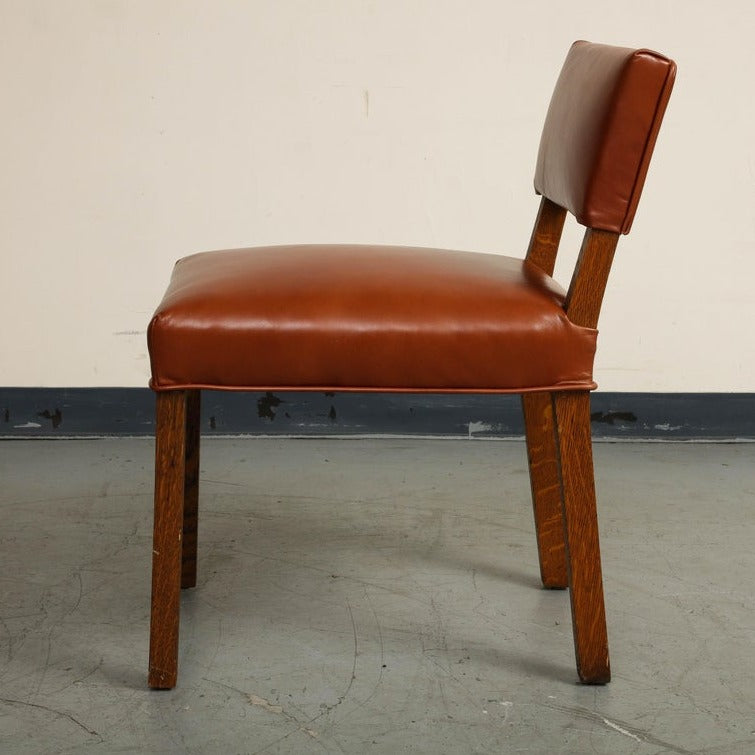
x,y
137,131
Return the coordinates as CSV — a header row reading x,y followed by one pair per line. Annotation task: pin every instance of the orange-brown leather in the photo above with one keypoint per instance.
x,y
600,131
365,318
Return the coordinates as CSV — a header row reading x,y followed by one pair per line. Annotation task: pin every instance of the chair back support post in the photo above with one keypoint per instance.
x,y
546,236
590,276
588,283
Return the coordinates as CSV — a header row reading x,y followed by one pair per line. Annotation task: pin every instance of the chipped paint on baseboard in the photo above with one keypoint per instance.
x,y
477,428
666,427
97,412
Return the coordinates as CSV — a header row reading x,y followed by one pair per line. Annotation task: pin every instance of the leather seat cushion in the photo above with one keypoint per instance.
x,y
365,318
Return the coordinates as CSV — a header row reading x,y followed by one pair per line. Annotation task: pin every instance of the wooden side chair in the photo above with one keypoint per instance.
x,y
376,318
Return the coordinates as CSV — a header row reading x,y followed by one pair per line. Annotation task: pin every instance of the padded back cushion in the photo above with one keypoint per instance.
x,y
600,131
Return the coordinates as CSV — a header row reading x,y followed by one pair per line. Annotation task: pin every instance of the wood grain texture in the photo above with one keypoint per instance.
x,y
191,491
546,488
166,548
588,283
572,414
546,235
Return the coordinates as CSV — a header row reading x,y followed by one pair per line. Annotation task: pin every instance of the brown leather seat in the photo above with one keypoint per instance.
x,y
376,318
366,318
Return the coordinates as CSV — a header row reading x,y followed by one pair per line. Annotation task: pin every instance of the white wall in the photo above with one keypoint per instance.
x,y
137,131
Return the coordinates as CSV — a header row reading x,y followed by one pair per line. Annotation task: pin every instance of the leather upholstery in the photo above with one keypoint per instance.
x,y
600,131
365,318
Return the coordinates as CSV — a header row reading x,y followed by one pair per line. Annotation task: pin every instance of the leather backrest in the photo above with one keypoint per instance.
x,y
600,131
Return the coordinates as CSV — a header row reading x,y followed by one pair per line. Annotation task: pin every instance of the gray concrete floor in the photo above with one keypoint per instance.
x,y
374,596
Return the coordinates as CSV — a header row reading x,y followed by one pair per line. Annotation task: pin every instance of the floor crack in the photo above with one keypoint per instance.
x,y
62,714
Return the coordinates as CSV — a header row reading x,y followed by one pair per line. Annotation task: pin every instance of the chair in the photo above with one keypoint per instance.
x,y
373,318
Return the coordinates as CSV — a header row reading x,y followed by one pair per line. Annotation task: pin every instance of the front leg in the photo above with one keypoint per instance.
x,y
170,459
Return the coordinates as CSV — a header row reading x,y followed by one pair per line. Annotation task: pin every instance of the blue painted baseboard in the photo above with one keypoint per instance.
x,y
92,412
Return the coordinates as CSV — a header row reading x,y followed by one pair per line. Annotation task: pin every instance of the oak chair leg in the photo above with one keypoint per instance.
x,y
572,414
170,457
191,491
546,488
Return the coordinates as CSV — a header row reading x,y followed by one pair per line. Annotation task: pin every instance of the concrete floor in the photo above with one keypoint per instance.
x,y
374,596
